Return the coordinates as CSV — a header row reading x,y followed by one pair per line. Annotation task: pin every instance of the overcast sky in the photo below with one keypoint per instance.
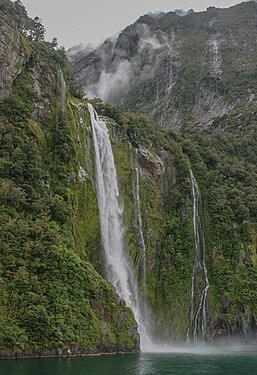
x,y
91,21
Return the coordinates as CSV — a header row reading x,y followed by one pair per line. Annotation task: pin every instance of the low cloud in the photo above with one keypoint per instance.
x,y
119,74
111,83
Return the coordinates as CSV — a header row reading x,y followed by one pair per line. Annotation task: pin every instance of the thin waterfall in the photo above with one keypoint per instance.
x,y
63,90
85,139
198,316
118,266
141,240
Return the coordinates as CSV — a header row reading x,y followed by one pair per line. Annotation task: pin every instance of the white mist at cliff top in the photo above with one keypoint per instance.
x,y
118,266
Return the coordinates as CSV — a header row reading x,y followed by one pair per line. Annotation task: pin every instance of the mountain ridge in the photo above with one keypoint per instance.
x,y
178,69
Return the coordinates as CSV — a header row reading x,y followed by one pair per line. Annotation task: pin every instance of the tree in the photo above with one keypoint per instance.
x,y
39,30
54,42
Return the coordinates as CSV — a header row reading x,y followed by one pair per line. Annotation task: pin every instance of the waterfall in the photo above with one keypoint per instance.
x,y
141,240
63,90
198,316
119,269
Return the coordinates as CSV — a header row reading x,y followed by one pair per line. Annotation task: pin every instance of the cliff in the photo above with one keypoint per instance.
x,y
225,171
54,296
51,296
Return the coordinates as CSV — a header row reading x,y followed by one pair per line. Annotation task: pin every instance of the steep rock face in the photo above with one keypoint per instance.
x,y
14,54
180,70
225,172
233,321
52,294
193,73
162,173
52,300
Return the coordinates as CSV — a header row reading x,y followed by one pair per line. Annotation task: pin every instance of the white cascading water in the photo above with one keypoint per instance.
x,y
198,320
118,267
141,242
63,90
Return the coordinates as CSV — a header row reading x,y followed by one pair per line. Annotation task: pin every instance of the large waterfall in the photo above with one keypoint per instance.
x,y
198,316
118,266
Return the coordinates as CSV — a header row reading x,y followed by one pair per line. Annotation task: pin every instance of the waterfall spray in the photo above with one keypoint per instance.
x,y
118,266
198,317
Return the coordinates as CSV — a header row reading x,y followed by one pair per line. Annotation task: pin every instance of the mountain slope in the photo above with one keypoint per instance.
x,y
54,298
224,164
51,296
196,74
180,70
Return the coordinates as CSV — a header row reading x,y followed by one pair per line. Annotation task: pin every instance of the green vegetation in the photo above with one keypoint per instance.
x,y
51,296
204,86
224,165
165,193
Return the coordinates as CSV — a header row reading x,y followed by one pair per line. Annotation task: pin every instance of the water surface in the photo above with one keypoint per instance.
x,y
236,361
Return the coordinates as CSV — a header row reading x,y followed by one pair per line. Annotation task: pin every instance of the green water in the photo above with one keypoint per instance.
x,y
212,362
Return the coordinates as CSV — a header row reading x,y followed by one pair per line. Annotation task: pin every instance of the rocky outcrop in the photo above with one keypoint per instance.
x,y
67,352
13,55
234,321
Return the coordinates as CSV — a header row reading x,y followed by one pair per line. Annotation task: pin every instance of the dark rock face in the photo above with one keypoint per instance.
x,y
225,303
68,352
233,321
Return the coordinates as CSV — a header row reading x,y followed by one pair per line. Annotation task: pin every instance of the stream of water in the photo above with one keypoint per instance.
x,y
119,268
141,239
198,314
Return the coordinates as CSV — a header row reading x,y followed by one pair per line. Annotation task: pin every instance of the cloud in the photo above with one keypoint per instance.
x,y
111,83
120,73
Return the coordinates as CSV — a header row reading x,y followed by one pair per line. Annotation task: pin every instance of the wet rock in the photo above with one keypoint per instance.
x,y
97,305
83,175
240,308
225,302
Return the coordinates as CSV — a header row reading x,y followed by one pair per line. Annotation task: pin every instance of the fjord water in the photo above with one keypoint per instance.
x,y
236,361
